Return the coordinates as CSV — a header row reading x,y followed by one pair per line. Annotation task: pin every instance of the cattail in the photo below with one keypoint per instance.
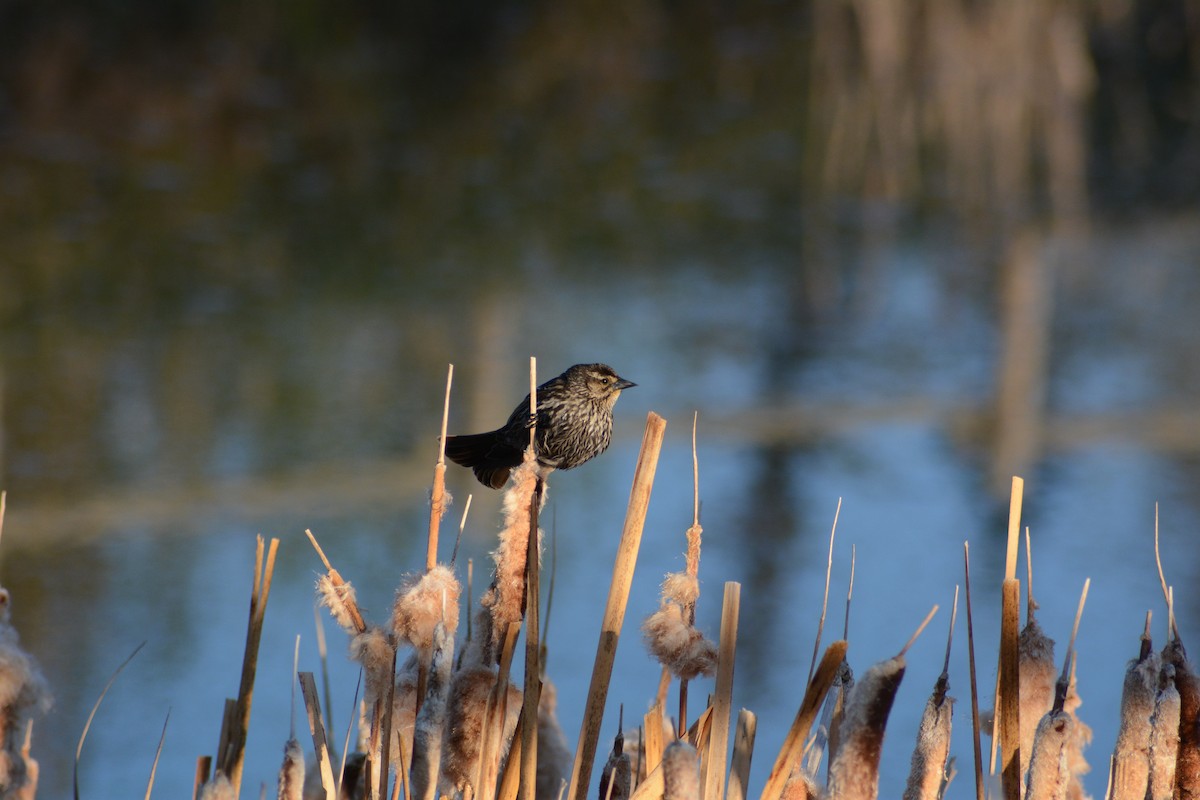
x,y
339,597
1049,776
670,634
431,722
374,651
681,772
1038,674
617,776
854,774
1131,754
291,774
506,597
1164,736
927,776
554,755
1187,762
424,601
467,716
23,691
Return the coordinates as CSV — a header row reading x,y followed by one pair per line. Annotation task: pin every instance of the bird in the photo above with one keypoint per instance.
x,y
574,425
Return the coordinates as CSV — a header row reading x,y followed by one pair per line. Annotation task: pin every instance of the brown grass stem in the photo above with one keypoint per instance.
x,y
347,602
259,595
1008,708
157,755
825,599
203,767
1030,604
316,728
714,778
978,750
614,612
814,695
653,737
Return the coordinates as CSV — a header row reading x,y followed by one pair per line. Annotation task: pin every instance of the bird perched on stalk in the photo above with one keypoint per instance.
x,y
574,425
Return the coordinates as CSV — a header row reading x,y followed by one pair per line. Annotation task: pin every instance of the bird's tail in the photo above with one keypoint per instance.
x,y
479,452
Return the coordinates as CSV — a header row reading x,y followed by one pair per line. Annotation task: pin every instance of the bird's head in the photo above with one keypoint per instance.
x,y
598,381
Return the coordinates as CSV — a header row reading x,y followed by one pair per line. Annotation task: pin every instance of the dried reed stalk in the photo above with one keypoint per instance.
x,y
814,695
1008,708
438,503
533,684
714,776
653,740
316,728
743,751
614,612
203,767
1131,753
975,726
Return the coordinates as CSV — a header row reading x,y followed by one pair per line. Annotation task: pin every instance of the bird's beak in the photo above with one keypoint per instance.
x,y
623,384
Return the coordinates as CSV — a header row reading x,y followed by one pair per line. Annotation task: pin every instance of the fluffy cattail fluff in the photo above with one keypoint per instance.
x,y
340,599
1080,736
219,788
1164,736
1131,754
1049,775
424,601
1038,674
506,597
427,734
23,691
854,774
467,718
616,779
800,786
681,772
554,756
291,774
927,777
670,635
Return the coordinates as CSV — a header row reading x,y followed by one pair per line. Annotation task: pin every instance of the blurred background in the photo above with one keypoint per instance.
x,y
891,253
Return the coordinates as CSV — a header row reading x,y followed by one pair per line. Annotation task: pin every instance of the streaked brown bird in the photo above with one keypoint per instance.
x,y
574,425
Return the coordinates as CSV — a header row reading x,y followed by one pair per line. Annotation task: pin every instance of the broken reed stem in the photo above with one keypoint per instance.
x,y
978,751
1008,703
714,781
614,612
743,751
384,723
203,767
533,672
825,599
316,727
918,631
1172,631
814,695
653,738
437,503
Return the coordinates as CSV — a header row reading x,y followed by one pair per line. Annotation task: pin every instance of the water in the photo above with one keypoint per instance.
x,y
229,291
203,432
